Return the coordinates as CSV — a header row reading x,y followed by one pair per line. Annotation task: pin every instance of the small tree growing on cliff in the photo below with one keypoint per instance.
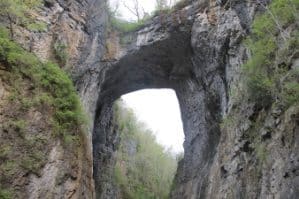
x,y
136,9
17,12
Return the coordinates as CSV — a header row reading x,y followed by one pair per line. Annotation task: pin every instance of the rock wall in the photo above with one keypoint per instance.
x,y
76,30
197,51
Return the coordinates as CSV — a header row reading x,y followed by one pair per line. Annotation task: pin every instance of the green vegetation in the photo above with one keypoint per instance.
x,y
273,43
60,51
61,94
5,194
144,169
19,12
4,152
33,162
271,76
37,26
42,103
125,26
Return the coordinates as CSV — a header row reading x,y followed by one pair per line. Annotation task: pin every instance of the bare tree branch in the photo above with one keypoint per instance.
x,y
137,10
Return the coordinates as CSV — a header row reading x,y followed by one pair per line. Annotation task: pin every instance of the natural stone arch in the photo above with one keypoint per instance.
x,y
159,56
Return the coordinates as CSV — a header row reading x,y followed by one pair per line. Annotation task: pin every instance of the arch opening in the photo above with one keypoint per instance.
x,y
164,63
159,110
150,131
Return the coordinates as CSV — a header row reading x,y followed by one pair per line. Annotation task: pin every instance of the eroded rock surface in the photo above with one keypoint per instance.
x,y
78,26
197,51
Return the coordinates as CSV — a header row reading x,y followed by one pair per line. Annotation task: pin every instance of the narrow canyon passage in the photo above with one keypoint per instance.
x,y
151,138
231,64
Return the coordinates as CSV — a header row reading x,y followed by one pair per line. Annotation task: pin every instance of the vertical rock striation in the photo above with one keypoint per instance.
x,y
74,37
197,51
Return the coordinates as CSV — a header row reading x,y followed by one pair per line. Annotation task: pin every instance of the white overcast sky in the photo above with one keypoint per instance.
x,y
147,5
159,109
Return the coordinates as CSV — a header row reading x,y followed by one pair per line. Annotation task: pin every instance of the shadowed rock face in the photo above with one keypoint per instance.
x,y
196,51
189,51
80,26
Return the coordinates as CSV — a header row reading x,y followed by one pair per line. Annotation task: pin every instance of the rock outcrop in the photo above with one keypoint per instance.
x,y
197,51
73,37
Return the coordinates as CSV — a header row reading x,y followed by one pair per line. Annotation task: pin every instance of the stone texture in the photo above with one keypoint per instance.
x,y
80,25
195,50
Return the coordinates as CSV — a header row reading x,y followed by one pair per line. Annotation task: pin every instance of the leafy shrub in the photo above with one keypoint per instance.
x,y
292,92
260,89
61,54
270,45
284,11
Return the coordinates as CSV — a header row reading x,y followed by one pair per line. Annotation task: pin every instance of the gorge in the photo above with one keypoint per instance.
x,y
237,145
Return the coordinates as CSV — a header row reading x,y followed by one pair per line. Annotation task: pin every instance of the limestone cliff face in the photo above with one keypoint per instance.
x,y
74,37
197,51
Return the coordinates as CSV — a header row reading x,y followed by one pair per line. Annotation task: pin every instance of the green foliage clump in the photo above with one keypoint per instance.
x,y
37,26
9,167
19,12
4,152
45,90
61,54
68,114
272,47
144,169
5,194
33,162
19,127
